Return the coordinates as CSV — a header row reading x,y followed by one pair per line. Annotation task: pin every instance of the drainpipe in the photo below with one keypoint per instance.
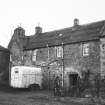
x,y
98,84
62,68
48,51
48,70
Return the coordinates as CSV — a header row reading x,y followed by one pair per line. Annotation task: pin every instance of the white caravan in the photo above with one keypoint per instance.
x,y
25,77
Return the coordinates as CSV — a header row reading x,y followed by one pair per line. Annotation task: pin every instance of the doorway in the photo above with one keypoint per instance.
x,y
73,79
73,84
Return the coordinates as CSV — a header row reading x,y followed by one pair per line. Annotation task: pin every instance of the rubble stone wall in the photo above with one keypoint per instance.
x,y
74,62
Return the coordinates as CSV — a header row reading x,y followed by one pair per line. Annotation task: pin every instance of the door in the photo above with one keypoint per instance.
x,y
73,79
73,83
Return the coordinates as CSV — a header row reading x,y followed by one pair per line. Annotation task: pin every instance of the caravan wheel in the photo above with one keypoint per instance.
x,y
34,87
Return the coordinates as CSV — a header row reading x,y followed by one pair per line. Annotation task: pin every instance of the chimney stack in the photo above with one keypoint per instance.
x,y
38,30
76,22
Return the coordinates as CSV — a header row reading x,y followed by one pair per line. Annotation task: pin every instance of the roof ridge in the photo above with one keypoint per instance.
x,y
68,28
82,25
90,31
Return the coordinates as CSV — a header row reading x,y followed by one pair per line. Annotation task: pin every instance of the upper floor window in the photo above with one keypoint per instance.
x,y
59,51
103,47
10,58
29,53
85,49
34,55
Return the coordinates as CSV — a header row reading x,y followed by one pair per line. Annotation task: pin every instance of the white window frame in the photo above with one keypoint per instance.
x,y
85,49
59,51
10,58
34,55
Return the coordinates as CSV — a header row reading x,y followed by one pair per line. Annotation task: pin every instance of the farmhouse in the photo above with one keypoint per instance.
x,y
69,53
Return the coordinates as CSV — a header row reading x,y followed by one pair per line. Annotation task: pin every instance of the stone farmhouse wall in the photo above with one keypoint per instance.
x,y
73,59
70,60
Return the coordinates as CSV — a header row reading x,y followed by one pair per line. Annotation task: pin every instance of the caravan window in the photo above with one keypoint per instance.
x,y
16,71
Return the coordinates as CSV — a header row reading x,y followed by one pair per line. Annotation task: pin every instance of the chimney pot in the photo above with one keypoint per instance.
x,y
38,30
76,22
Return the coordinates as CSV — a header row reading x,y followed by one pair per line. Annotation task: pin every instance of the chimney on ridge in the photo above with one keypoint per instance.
x,y
76,22
38,30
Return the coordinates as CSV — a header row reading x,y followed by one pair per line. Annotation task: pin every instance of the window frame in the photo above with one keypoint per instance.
x,y
85,49
59,51
34,55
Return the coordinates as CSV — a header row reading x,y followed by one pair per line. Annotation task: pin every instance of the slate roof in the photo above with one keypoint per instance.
x,y
75,34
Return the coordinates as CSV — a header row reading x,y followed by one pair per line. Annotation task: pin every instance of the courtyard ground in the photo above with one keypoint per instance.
x,y
26,97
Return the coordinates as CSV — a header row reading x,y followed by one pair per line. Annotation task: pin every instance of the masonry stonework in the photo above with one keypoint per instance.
x,y
74,61
16,46
72,66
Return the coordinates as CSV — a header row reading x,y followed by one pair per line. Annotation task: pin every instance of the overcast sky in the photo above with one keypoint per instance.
x,y
51,14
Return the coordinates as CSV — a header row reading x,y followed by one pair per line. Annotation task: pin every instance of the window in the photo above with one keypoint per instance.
x,y
29,52
59,51
103,46
16,71
85,49
103,49
34,55
10,58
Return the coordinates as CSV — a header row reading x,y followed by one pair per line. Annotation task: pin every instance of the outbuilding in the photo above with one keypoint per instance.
x,y
4,65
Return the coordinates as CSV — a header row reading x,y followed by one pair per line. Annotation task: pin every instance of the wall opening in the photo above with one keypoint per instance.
x,y
73,80
73,84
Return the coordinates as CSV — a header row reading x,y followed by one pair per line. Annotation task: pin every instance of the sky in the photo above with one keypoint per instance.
x,y
49,14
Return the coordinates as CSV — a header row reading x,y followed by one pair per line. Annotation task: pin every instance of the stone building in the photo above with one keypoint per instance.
x,y
4,65
68,53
